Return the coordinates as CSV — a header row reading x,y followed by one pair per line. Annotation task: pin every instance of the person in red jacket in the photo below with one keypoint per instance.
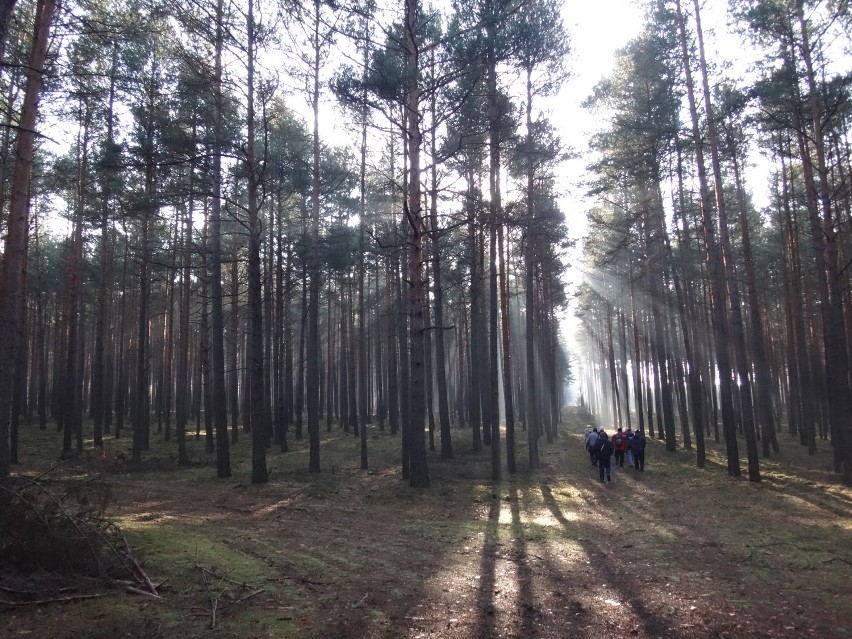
x,y
619,445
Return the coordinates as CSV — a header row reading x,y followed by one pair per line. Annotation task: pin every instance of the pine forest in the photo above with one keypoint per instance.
x,y
247,242
225,266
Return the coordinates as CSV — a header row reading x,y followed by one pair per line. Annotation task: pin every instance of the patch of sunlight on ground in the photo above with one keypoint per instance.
x,y
664,534
807,510
281,504
541,518
143,520
134,524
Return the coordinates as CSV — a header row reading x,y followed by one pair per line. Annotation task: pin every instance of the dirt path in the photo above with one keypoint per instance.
x,y
654,554
672,552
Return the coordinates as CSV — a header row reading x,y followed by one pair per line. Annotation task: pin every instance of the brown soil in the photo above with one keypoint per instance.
x,y
671,552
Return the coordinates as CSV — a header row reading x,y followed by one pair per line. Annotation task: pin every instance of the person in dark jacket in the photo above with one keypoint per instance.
x,y
592,445
637,447
605,451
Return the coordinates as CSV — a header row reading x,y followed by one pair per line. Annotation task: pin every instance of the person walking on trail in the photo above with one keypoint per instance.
x,y
619,444
605,451
637,447
592,445
586,434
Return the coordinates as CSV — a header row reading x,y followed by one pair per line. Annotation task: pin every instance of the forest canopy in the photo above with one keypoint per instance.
x,y
227,265
189,242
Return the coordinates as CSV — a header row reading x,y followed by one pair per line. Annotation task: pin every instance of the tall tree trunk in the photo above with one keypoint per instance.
x,y
826,242
205,396
142,396
363,346
637,373
657,297
313,375
440,370
71,408
41,360
259,423
218,397
622,327
121,347
392,395
508,401
379,365
184,371
15,247
281,335
692,351
234,347
738,333
531,417
419,474
168,337
494,211
474,334
104,272
287,327
613,371
715,265
304,320
765,417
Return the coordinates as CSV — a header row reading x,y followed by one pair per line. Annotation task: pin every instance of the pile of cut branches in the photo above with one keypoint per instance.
x,y
219,587
57,545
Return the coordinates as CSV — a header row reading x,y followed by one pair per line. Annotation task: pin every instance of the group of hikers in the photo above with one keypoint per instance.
x,y
629,445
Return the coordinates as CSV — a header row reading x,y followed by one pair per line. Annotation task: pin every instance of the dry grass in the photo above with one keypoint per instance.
x,y
672,552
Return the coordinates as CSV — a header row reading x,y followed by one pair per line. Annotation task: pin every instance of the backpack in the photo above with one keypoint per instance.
x,y
605,449
619,441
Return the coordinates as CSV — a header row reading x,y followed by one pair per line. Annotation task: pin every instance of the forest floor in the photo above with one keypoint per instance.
x,y
674,551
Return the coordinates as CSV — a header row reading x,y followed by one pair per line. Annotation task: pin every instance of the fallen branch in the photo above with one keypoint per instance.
x,y
301,580
827,561
144,576
212,597
12,591
213,573
135,565
213,584
250,595
138,591
60,600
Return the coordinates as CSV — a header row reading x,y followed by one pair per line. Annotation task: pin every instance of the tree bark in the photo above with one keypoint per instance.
x,y
259,422
419,474
312,381
15,248
218,397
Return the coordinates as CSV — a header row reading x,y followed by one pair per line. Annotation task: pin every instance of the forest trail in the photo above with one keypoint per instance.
x,y
653,554
673,552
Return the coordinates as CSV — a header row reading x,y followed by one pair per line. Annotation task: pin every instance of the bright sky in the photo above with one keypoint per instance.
x,y
598,28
